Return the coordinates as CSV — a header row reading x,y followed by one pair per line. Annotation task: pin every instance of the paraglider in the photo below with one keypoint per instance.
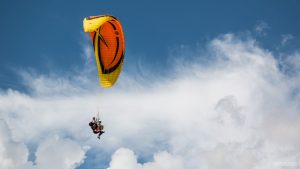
x,y
96,126
107,35
109,46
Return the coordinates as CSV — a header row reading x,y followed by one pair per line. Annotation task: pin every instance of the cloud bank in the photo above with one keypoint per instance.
x,y
238,109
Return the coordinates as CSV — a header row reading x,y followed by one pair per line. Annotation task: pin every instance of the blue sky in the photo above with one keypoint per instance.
x,y
46,35
205,84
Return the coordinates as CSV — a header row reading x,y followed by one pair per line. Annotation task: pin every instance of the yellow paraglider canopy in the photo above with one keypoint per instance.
x,y
109,46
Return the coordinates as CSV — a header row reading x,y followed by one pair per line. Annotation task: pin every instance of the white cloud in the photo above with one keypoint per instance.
x,y
59,153
126,159
285,38
12,154
51,153
261,28
239,111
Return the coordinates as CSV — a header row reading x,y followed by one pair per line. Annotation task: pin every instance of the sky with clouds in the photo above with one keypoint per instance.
x,y
205,85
